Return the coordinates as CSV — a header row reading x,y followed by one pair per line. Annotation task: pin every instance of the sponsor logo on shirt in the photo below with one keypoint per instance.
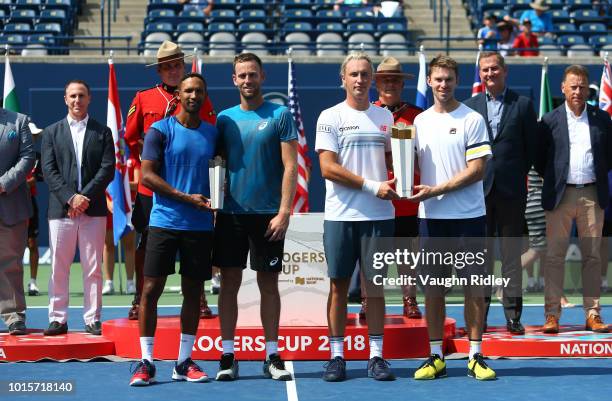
x,y
324,128
349,128
383,128
262,125
273,262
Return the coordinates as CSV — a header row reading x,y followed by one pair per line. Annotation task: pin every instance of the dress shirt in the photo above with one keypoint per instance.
x,y
581,167
77,129
495,108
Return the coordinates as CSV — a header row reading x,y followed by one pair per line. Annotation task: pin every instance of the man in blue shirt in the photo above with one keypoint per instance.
x,y
259,141
175,167
541,21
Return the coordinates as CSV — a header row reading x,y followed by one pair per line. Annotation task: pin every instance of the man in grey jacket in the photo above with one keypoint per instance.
x,y
15,209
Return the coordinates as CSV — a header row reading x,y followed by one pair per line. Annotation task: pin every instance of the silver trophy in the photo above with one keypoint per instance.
x,y
216,177
402,150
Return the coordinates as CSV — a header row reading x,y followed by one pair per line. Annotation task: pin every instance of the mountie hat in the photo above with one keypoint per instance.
x,y
168,51
390,66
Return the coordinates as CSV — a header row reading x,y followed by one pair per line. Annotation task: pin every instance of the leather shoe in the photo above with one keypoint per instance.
x,y
17,328
56,328
411,308
552,325
595,324
515,327
94,328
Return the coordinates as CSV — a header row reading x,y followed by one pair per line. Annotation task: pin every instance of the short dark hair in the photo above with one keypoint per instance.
x,y
578,70
77,81
244,57
442,61
194,75
499,57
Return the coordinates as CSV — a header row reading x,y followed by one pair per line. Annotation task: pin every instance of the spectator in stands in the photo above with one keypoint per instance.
x,y
488,36
128,240
205,5
33,176
349,4
77,205
526,42
387,8
15,210
574,159
149,106
540,19
506,38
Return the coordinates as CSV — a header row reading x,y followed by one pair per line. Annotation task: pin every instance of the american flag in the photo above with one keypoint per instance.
x,y
605,89
300,202
477,86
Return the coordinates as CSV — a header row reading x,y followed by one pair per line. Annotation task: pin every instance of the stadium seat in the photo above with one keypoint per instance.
x,y
5,5
255,42
593,27
330,27
288,4
34,5
500,13
226,4
570,40
560,16
605,49
330,44
359,16
297,14
550,51
324,4
189,40
546,40
161,15
23,15
221,27
34,50
156,4
393,44
578,4
248,4
299,42
599,41
329,16
159,27
252,27
253,15
297,27
519,5
52,16
223,15
362,41
20,27
189,27
555,4
585,16
192,15
152,42
360,27
577,51
222,44
48,27
487,5
41,39
565,28
388,27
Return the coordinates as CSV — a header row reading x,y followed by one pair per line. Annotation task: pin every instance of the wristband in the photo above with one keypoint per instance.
x,y
371,186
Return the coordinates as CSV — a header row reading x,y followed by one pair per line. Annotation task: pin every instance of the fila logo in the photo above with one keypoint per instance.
x,y
324,128
273,262
453,131
262,125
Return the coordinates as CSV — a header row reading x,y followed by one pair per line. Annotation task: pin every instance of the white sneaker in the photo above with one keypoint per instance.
x,y
33,289
130,287
108,288
274,368
215,284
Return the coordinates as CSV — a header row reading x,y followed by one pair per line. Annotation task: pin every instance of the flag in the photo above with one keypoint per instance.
x,y
546,103
119,188
9,100
477,86
300,202
421,94
196,64
605,89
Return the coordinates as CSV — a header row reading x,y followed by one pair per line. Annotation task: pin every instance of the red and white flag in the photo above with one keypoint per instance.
x,y
300,202
196,64
477,86
605,89
119,188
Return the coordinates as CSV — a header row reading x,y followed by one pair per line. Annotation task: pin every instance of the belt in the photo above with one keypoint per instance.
x,y
588,184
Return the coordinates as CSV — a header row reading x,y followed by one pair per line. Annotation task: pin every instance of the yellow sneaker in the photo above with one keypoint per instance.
x,y
432,368
479,370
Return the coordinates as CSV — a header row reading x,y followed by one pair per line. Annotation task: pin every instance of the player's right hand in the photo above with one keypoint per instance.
x,y
386,191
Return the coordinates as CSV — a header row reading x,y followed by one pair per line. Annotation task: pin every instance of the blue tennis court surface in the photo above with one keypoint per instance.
x,y
524,379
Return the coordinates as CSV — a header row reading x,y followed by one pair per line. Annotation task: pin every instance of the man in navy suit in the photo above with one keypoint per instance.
x,y
574,159
78,162
512,127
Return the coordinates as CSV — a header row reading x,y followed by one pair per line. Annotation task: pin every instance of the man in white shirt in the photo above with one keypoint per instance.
x,y
452,148
574,159
353,141
78,163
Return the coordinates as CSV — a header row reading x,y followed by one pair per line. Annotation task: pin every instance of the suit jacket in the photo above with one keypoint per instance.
x,y
553,157
60,169
514,147
16,162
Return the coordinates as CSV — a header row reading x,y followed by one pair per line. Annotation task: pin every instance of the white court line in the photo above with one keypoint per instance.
x,y
291,386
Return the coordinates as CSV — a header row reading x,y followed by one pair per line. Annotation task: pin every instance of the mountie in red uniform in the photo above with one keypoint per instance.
x,y
404,113
151,105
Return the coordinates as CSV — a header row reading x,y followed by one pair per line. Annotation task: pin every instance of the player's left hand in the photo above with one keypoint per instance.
x,y
277,228
422,192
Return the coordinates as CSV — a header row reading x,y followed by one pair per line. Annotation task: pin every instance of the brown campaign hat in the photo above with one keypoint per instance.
x,y
390,66
168,51
539,5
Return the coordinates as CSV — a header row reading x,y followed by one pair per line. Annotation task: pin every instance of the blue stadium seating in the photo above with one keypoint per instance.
x,y
565,28
253,15
161,15
189,27
288,4
34,5
329,16
23,15
226,4
223,15
248,4
157,4
20,28
560,16
193,15
221,27
297,27
297,14
330,27
599,41
49,27
570,40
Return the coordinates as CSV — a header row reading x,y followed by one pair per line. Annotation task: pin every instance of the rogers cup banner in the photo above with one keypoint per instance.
x,y
303,283
119,188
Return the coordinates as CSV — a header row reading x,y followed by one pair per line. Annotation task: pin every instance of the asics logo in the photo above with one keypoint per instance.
x,y
274,261
262,125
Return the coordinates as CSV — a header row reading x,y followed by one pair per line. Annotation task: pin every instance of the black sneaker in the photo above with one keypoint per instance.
x,y
228,368
274,368
379,369
18,328
335,370
143,374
